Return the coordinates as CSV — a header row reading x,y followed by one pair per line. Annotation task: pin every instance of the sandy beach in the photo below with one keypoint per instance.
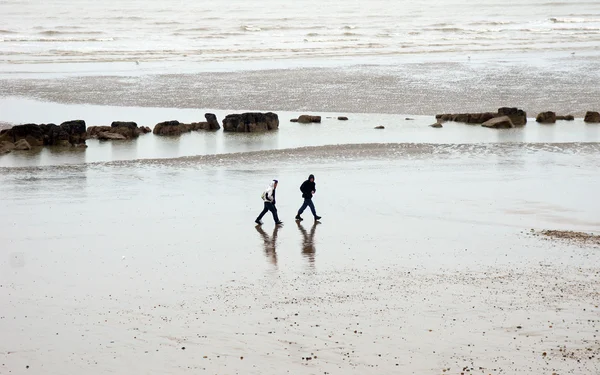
x,y
454,250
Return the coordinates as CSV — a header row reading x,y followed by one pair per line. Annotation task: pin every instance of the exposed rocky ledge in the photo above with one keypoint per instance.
x,y
175,127
592,117
550,117
70,133
517,116
117,130
307,119
251,122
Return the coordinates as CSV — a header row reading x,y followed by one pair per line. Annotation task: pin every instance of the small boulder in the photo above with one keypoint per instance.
x,y
251,122
410,119
592,117
502,122
124,124
213,123
517,116
546,118
105,136
343,118
566,118
22,145
172,127
379,127
294,120
6,147
436,125
306,119
145,130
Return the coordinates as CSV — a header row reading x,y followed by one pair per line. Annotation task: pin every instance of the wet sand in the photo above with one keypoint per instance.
x,y
560,82
421,264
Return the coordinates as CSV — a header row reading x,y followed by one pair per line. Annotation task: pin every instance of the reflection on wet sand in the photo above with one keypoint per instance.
x,y
270,243
308,242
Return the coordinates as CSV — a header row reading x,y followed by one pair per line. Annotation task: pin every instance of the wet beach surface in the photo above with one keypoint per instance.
x,y
422,263
447,83
441,251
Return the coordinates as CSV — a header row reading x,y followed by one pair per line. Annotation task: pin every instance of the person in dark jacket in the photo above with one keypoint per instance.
x,y
269,198
308,189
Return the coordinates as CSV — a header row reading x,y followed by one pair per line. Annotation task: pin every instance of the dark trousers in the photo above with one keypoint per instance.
x,y
269,207
307,203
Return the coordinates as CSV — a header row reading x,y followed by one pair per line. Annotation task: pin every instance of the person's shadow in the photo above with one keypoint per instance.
x,y
308,242
270,243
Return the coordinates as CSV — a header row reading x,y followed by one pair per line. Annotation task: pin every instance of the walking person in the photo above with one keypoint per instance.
x,y
269,198
308,189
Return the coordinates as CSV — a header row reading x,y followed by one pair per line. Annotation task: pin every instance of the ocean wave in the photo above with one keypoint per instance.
x,y
56,32
57,40
166,23
575,20
492,23
192,29
4,32
251,28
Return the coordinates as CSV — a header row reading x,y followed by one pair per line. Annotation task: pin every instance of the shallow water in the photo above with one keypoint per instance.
x,y
358,130
146,31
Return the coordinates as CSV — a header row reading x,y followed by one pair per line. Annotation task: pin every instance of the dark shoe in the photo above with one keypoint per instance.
x,y
298,218
258,222
317,218
279,223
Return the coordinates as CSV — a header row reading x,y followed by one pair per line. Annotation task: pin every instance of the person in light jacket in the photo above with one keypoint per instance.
x,y
269,198
308,189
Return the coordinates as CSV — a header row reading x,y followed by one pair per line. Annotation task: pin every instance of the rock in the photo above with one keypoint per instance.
x,y
294,120
145,129
251,122
480,118
409,119
125,131
93,131
306,119
546,118
213,123
76,130
343,118
124,124
592,117
32,133
503,122
517,116
6,147
67,134
175,127
436,125
566,118
104,136
22,145
379,127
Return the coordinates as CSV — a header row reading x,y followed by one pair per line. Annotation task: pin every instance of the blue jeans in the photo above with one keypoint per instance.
x,y
307,203
269,207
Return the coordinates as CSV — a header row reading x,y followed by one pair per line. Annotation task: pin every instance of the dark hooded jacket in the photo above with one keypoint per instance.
x,y
308,187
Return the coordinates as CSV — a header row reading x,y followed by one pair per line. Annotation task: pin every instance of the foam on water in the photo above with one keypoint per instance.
x,y
228,23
